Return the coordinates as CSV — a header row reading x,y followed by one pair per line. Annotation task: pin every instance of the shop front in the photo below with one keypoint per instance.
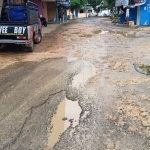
x,y
61,10
49,9
137,11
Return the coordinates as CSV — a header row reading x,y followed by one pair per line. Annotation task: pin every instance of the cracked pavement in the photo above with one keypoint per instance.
x,y
77,91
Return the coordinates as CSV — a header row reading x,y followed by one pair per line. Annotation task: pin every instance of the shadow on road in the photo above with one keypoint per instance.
x,y
11,48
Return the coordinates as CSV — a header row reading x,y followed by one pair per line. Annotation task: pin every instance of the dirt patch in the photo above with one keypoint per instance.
x,y
131,81
86,35
49,47
97,31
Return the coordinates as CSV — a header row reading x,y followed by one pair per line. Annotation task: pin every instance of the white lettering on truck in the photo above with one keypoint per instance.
x,y
3,29
15,30
19,30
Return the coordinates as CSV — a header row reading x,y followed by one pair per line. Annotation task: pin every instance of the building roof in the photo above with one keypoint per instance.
x,y
118,3
125,3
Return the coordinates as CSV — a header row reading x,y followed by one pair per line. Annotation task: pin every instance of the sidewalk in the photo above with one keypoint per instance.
x,y
49,28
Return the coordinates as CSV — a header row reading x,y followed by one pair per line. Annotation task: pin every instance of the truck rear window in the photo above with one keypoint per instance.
x,y
16,13
19,12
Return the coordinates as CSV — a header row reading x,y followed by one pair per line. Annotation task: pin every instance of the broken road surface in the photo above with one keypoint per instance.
x,y
78,90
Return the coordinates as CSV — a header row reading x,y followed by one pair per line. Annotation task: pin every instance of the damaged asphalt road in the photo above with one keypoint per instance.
x,y
30,95
77,91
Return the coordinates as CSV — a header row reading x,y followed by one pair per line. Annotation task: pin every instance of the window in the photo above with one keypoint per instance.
x,y
81,11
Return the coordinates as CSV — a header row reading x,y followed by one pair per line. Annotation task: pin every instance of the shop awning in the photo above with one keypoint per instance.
x,y
65,3
129,3
139,2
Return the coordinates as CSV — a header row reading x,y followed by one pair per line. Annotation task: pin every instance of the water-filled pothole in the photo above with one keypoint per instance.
x,y
71,59
88,71
68,114
103,32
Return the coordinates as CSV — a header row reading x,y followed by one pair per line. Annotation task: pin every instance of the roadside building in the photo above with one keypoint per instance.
x,y
83,12
138,10
79,13
49,9
61,9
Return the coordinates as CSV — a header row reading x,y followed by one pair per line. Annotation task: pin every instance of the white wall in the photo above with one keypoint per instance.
x,y
80,15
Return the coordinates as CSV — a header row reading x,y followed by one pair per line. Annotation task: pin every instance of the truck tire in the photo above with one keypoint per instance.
x,y
31,49
40,38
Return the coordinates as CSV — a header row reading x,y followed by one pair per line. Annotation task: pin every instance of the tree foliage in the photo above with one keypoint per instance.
x,y
107,3
77,4
94,3
110,3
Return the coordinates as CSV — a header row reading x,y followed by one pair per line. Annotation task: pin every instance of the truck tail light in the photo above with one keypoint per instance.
x,y
21,37
30,32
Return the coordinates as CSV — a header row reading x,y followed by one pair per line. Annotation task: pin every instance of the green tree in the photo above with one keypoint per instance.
x,y
107,3
94,3
110,3
77,4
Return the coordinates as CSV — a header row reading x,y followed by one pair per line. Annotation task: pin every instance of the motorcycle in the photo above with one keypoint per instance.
x,y
43,21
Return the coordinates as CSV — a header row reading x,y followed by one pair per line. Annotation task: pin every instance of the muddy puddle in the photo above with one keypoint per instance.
x,y
67,115
103,32
88,71
71,59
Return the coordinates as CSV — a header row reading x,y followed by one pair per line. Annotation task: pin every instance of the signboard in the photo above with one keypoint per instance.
x,y
63,3
139,2
132,3
6,30
147,8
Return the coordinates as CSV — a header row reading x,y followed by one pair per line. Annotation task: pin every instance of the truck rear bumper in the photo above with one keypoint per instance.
x,y
15,41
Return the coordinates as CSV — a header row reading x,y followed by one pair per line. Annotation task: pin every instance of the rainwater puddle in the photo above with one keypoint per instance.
x,y
68,114
87,72
71,59
103,32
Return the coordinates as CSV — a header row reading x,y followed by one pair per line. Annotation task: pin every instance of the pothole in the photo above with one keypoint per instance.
x,y
71,59
87,72
67,115
103,32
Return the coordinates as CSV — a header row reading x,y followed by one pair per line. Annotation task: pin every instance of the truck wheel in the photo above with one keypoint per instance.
x,y
39,38
31,48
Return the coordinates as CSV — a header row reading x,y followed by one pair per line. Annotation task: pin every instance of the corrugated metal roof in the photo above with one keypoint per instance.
x,y
119,3
124,3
